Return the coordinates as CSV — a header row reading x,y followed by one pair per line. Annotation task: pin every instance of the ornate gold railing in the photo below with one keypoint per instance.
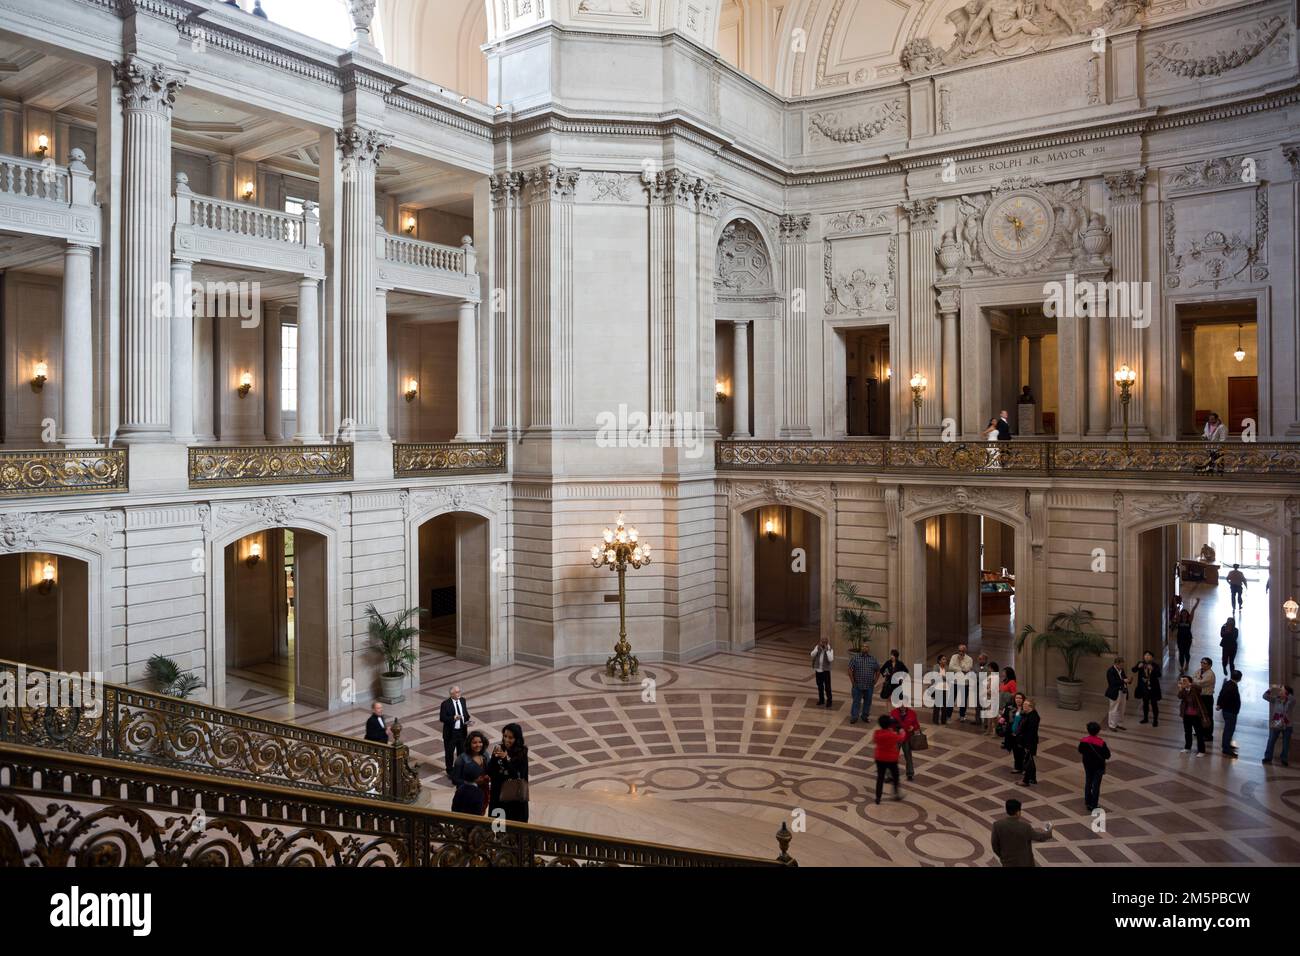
x,y
122,723
41,472
62,809
1234,461
223,467
414,460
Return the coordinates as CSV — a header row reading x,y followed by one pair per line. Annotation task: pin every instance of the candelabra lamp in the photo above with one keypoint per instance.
x,y
918,383
1124,378
621,549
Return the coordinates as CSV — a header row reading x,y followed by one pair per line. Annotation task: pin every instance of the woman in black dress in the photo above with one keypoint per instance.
x,y
1228,641
887,671
1028,741
469,775
508,769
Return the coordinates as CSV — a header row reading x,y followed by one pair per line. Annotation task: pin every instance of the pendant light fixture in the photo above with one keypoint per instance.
x,y
1240,354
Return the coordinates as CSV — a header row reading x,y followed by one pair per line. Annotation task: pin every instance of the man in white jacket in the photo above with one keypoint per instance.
x,y
961,665
822,656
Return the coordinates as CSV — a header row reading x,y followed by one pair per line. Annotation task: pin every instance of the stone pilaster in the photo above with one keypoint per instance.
x,y
550,300
147,91
794,266
507,286
673,358
707,201
925,341
1127,333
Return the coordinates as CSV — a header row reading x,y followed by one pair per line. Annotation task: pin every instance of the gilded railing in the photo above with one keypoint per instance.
x,y
448,458
41,472
60,810
1237,461
122,723
218,466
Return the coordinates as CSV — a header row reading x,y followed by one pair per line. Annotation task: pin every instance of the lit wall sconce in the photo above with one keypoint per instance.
x,y
47,578
41,377
410,225
412,389
720,391
248,190
769,529
245,384
254,554
1292,612
889,373
42,145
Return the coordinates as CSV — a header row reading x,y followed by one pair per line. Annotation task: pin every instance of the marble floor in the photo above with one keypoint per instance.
x,y
721,750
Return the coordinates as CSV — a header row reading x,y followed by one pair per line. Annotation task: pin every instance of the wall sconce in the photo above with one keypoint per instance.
x,y
769,529
42,145
254,554
412,389
918,383
1124,378
1292,611
41,377
410,225
47,578
248,190
720,391
889,373
245,384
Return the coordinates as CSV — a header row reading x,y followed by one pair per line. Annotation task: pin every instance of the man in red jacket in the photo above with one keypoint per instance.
x,y
905,719
887,740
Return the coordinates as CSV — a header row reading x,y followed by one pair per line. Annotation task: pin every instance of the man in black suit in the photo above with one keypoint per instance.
x,y
1229,704
454,714
1004,426
376,726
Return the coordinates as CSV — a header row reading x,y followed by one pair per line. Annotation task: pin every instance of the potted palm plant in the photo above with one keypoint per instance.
x,y
168,678
855,617
1071,633
392,638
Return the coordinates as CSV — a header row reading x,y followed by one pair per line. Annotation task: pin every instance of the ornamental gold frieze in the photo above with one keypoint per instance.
x,y
39,473
448,458
1215,461
217,467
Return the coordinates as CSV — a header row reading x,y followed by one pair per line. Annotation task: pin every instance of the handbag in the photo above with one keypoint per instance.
x,y
918,741
514,791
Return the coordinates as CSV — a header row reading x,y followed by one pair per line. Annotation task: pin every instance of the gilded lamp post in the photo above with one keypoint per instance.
x,y
620,549
1124,378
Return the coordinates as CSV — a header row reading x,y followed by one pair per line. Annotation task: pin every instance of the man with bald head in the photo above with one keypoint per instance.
x,y
454,714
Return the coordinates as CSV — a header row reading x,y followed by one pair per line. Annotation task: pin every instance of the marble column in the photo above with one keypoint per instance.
x,y
382,398
794,263
78,369
1127,331
466,374
924,356
951,368
148,91
182,352
507,282
740,380
204,414
1099,375
360,150
272,369
308,361
1036,379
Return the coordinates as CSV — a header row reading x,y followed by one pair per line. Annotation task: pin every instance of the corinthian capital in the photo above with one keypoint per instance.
x,y
795,228
147,86
553,181
506,187
922,213
361,145
1126,185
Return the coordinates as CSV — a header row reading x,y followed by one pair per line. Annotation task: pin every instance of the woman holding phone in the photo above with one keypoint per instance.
x,y
508,769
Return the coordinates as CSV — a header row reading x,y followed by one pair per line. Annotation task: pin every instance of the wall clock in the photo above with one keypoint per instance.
x,y
1018,224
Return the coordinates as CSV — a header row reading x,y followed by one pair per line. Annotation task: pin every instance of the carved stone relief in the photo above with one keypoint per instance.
x,y
1066,229
1208,59
743,265
831,126
796,493
1199,258
861,274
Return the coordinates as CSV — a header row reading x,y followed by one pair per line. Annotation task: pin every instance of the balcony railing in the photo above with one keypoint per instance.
x,y
215,466
413,265
1221,461
426,255
121,723
34,180
65,809
448,458
254,222
44,199
43,473
245,234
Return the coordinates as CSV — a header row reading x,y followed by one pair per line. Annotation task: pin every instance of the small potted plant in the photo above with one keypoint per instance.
x,y
168,678
855,618
392,638
1072,633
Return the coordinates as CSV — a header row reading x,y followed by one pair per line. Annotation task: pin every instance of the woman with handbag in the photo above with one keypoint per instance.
x,y
470,776
508,769
1028,738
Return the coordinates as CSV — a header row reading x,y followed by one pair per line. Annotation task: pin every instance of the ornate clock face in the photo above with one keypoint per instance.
x,y
1018,224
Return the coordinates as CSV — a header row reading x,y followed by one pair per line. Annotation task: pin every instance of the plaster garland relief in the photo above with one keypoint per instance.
x,y
1206,58
833,127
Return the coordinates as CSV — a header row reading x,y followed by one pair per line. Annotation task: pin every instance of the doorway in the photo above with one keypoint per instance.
x,y
45,601
453,581
1218,369
868,373
275,615
970,586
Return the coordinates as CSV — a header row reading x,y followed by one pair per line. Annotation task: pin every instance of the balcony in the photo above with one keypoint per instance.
x,y
216,466
42,199
208,229
1226,461
42,473
437,459
428,268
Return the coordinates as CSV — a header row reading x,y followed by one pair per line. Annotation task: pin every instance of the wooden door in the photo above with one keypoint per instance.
x,y
311,603
1243,401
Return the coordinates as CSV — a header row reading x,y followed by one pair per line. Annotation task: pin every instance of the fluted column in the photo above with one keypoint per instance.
x,y
382,397
551,355
924,353
182,351
794,261
1099,375
466,374
1127,331
951,367
360,150
272,366
740,380
148,91
77,367
308,361
507,283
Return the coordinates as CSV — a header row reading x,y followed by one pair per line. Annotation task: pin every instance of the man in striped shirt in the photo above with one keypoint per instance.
x,y
864,672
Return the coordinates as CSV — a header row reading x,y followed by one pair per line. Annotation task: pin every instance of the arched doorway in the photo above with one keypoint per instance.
x,y
970,586
787,571
45,603
276,618
453,584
